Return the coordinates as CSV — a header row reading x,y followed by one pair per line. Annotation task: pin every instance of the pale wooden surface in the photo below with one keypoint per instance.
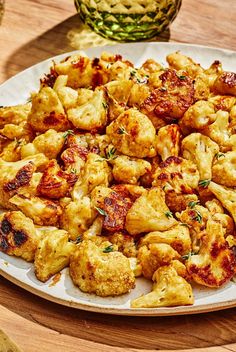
x,y
35,30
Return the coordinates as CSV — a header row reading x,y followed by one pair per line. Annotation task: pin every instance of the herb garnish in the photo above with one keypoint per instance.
x,y
108,249
101,211
189,255
219,155
204,183
73,171
184,224
78,240
192,204
109,155
169,214
105,105
182,77
67,133
122,130
197,216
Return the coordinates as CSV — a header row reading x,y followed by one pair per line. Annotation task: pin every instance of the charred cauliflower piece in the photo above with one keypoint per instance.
x,y
101,271
172,99
47,112
92,114
168,141
214,265
18,235
77,217
222,102
74,159
133,134
224,169
149,213
152,256
169,289
14,114
129,170
96,172
49,143
178,237
227,196
41,211
52,254
201,150
225,83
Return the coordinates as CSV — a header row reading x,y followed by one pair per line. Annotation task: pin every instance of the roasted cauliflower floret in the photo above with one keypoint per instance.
x,y
227,196
18,235
225,83
178,237
74,159
47,112
149,213
138,93
218,131
224,169
17,132
129,170
101,271
52,254
12,150
125,244
214,265
172,99
198,115
119,90
222,102
55,183
77,217
168,141
169,289
179,61
14,114
152,256
41,211
96,172
114,204
92,114
18,177
49,143
201,150
67,95
133,134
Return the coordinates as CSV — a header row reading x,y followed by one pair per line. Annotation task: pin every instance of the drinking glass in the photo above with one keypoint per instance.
x,y
128,20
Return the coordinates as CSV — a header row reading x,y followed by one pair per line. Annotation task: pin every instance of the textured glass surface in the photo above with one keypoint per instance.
x,y
128,20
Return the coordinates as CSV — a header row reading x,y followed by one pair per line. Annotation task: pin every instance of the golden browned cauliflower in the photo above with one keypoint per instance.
x,y
201,150
129,170
201,88
67,95
218,131
227,196
119,90
222,102
18,235
96,172
101,270
138,93
224,169
49,143
12,150
217,212
198,115
125,244
178,237
74,159
225,83
214,264
179,61
52,254
149,213
47,112
17,132
77,217
152,256
172,99
42,211
92,114
168,141
133,134
14,114
169,289
18,177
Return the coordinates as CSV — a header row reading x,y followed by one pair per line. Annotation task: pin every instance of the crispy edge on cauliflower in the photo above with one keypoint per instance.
x,y
133,134
214,264
14,114
18,235
168,141
149,213
101,271
201,150
169,289
225,83
52,254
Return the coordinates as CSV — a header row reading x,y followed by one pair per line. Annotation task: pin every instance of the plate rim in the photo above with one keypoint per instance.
x,y
87,306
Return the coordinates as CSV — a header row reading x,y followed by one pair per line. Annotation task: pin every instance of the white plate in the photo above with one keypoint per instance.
x,y
17,90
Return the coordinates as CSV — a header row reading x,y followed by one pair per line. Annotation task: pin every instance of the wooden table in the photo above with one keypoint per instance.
x,y
33,30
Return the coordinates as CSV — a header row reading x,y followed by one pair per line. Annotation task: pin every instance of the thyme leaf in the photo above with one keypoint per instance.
x,y
67,133
189,255
197,216
169,214
101,211
220,155
122,130
204,183
192,204
108,249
